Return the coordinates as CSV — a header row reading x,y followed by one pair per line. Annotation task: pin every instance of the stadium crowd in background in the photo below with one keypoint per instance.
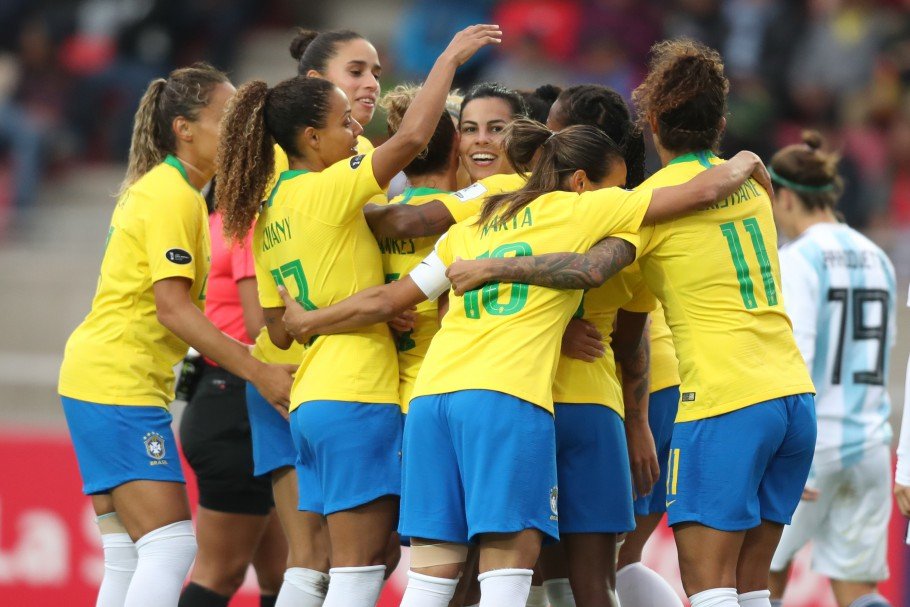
x,y
842,66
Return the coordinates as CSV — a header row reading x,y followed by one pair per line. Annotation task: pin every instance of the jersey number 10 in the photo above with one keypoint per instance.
x,y
489,294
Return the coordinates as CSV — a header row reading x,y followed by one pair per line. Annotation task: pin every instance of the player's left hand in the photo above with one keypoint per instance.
x,y
902,494
468,274
642,456
294,317
810,494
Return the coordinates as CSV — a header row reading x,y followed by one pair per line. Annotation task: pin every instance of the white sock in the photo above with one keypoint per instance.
x,y
715,597
537,597
354,586
505,587
756,598
639,586
428,591
165,557
559,592
119,565
302,588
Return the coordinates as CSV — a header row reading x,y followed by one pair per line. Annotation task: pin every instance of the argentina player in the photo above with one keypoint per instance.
x,y
839,290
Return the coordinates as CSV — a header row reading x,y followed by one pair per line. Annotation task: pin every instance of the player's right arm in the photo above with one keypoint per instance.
x,y
408,221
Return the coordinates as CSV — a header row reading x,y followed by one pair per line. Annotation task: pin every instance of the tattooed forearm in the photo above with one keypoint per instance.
x,y
566,270
636,379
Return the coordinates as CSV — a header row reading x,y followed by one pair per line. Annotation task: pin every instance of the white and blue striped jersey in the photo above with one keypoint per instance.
x,y
839,290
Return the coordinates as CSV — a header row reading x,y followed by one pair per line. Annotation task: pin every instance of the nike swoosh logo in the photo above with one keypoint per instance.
x,y
671,503
423,263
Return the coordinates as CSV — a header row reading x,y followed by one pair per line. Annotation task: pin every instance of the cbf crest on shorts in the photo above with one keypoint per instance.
x,y
554,501
154,446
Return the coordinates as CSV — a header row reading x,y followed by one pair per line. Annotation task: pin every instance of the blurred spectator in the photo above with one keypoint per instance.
x,y
526,66
701,20
630,25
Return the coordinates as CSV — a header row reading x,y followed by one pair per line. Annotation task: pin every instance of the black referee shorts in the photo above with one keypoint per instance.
x,y
215,435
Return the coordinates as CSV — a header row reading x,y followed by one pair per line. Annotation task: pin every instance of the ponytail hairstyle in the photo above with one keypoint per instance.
x,y
576,147
685,92
809,172
255,119
486,90
540,100
183,93
313,50
605,109
436,156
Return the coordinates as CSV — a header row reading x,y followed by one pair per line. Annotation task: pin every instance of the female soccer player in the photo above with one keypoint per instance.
x,y
486,110
840,294
745,389
349,61
469,475
117,375
648,430
432,173
235,524
345,417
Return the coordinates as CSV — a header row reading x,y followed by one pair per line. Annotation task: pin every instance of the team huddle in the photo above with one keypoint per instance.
x,y
492,338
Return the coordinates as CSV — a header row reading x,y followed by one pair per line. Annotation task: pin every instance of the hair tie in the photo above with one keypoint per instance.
x,y
799,187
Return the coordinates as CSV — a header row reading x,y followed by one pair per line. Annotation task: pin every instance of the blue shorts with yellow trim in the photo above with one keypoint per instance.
x,y
662,408
273,447
477,461
592,464
116,444
734,470
348,454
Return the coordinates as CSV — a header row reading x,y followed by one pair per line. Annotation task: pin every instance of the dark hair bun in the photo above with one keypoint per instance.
x,y
548,92
301,41
813,139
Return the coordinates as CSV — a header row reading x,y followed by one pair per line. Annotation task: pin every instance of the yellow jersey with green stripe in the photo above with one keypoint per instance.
x,y
506,337
717,276
466,202
598,382
121,354
399,257
264,349
311,236
664,368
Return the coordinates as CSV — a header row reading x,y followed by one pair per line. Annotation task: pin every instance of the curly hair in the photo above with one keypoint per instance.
x,y
433,158
255,119
183,93
685,94
605,109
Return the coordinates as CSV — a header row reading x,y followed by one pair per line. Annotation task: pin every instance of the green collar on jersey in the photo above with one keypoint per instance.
x,y
174,162
702,157
411,192
284,176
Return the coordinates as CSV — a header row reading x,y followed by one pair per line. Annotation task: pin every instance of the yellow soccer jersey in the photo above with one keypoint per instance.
x,y
716,273
399,257
598,382
506,337
466,202
312,237
664,371
121,354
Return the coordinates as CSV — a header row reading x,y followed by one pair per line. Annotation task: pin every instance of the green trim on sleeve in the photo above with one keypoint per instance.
x,y
702,157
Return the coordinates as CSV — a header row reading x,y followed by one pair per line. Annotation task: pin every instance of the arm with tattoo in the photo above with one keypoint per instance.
x,y
632,350
554,270
408,221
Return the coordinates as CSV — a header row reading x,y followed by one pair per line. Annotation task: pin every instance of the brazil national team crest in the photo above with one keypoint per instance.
x,y
554,500
154,446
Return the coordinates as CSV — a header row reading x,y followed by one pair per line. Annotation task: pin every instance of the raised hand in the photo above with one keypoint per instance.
x,y
470,40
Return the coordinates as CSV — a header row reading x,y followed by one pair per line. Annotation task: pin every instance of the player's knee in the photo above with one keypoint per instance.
x,y
442,560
